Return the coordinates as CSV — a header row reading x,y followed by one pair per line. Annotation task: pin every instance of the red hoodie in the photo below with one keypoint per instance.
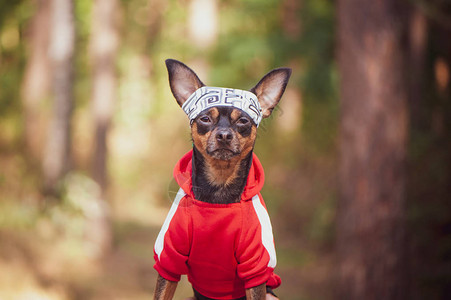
x,y
224,248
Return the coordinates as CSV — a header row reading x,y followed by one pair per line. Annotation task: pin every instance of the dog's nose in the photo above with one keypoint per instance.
x,y
224,135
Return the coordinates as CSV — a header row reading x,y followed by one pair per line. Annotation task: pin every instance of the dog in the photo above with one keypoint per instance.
x,y
218,231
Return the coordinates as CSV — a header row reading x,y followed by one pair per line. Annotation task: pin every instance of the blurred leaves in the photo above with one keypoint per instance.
x,y
13,17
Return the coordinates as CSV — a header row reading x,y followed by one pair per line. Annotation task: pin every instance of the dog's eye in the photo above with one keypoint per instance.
x,y
205,119
242,121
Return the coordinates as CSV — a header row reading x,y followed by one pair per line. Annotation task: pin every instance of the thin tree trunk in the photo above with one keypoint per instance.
x,y
418,34
62,47
418,45
104,44
202,22
36,81
103,48
371,212
202,30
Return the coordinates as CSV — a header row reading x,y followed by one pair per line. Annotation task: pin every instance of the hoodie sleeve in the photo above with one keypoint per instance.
x,y
172,245
256,253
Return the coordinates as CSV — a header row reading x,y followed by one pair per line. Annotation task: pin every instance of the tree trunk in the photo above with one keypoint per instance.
x,y
373,132
62,47
103,48
36,81
203,31
104,44
418,38
203,22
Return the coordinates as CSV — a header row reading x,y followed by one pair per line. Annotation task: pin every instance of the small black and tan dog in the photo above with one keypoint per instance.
x,y
218,231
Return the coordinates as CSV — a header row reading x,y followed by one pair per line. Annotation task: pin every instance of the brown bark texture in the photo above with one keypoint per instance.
x,y
373,133
61,53
36,80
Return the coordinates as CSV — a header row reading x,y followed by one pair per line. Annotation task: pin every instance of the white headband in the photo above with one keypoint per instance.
x,y
207,97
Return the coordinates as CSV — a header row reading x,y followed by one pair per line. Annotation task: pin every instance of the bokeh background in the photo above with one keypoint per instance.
x,y
90,133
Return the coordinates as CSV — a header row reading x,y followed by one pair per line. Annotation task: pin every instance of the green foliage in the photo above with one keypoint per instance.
x,y
13,17
7,8
244,51
317,46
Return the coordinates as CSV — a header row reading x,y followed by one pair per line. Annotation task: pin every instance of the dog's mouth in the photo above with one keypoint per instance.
x,y
222,153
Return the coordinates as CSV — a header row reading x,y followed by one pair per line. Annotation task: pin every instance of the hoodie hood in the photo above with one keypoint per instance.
x,y
183,175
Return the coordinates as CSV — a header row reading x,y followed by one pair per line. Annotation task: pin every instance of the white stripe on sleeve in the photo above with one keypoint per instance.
x,y
267,236
159,243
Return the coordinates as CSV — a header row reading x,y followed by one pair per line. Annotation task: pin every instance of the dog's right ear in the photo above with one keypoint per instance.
x,y
182,79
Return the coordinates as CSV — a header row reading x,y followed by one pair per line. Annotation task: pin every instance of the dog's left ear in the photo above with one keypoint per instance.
x,y
270,89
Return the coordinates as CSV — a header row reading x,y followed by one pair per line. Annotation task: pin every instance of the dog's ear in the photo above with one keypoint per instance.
x,y
182,79
270,89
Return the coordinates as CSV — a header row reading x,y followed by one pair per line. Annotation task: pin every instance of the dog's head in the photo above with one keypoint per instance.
x,y
224,121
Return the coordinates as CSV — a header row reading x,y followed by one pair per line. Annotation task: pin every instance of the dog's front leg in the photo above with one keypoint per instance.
x,y
165,289
256,293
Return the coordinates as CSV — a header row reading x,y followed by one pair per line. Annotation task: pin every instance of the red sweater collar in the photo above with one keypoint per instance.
x,y
255,179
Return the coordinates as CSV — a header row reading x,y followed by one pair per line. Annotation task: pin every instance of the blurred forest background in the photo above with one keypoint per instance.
x,y
357,156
